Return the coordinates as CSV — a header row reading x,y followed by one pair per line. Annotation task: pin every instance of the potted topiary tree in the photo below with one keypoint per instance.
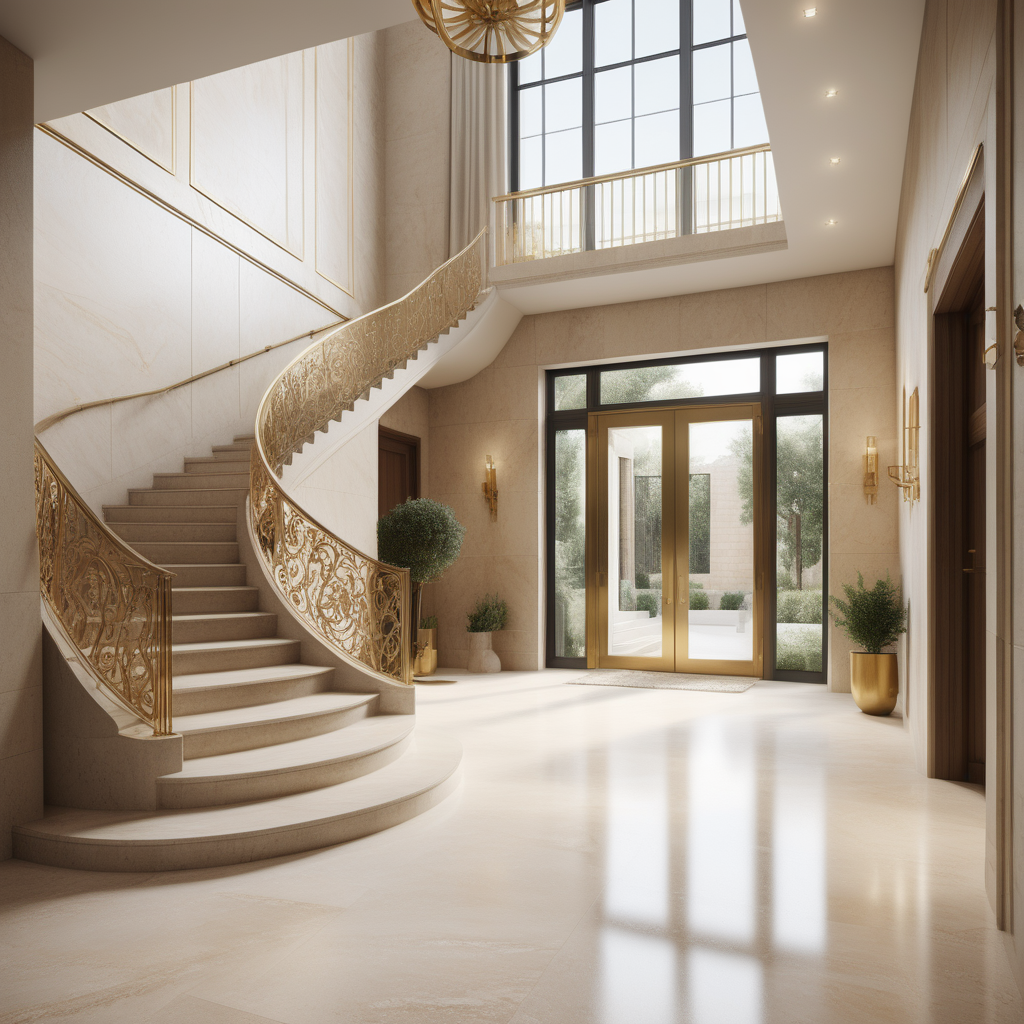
x,y
873,619
424,537
489,615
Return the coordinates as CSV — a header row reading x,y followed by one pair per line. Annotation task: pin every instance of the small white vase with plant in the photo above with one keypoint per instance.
x,y
489,615
872,619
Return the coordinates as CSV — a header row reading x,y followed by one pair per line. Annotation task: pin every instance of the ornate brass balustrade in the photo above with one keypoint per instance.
x,y
358,605
113,604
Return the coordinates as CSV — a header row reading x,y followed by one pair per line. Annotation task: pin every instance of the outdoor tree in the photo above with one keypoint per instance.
x,y
800,494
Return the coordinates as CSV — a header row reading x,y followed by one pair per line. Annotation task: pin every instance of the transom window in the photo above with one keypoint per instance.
x,y
634,83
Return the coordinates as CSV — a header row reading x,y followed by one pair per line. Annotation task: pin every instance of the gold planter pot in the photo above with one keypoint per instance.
x,y
425,663
874,679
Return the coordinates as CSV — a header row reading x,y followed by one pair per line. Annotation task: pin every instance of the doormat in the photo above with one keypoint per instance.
x,y
664,681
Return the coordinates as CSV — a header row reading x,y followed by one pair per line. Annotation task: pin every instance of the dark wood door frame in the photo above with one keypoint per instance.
x,y
389,440
958,276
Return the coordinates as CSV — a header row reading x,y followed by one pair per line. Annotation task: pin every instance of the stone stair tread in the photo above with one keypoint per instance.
x,y
355,740
218,590
221,616
431,760
230,645
311,705
246,676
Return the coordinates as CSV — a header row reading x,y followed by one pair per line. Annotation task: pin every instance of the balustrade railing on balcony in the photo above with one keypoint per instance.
x,y
687,197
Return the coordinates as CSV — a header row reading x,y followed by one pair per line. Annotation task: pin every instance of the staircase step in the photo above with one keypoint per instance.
x,y
239,833
246,439
193,552
170,513
215,600
220,655
294,767
261,725
163,532
190,629
184,496
232,451
190,575
201,692
187,481
208,465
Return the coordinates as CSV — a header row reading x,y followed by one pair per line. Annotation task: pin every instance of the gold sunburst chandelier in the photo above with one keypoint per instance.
x,y
492,31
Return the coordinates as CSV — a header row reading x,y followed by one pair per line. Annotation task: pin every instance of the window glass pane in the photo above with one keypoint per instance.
x,y
613,95
657,26
571,391
613,32
738,28
530,68
563,105
570,543
531,172
564,54
563,156
530,113
656,139
800,494
800,372
657,86
712,128
710,20
744,78
750,128
613,147
690,380
712,74
635,568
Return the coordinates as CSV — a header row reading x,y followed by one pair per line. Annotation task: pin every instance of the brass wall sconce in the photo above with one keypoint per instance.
x,y
491,486
1018,338
907,476
871,471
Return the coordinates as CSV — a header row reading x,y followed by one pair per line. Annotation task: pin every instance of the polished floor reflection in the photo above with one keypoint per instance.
x,y
613,856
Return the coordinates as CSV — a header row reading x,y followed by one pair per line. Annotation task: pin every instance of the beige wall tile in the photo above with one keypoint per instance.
x,y
21,666
863,359
21,793
21,717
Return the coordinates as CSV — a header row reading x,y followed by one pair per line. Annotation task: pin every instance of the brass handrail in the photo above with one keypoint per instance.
x,y
638,172
113,604
358,605
49,421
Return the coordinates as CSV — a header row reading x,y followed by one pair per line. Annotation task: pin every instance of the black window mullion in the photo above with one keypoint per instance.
x,y
589,202
513,127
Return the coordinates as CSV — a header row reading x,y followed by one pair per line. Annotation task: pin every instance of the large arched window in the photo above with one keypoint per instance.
x,y
633,83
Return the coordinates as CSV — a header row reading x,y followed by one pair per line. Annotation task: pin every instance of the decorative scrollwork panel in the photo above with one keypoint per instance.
x,y
113,604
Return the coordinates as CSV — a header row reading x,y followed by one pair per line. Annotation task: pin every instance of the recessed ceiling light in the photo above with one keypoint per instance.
x,y
830,223
834,160
810,12
831,94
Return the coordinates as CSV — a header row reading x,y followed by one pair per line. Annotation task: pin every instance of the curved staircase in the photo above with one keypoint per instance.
x,y
275,760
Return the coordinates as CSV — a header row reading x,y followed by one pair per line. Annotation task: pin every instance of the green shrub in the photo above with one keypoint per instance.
x,y
872,619
489,615
647,602
799,651
732,601
799,606
627,596
420,535
429,623
699,601
696,584
784,582
643,581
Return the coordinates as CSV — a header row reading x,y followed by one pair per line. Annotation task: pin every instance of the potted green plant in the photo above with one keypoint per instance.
x,y
423,536
489,615
873,619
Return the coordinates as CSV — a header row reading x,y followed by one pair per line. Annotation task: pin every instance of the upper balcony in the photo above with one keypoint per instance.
x,y
710,207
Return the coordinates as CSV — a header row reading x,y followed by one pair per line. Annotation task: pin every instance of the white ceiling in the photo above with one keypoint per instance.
x,y
91,52
867,49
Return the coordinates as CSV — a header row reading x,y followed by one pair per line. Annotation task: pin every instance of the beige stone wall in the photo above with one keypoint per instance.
x,y
228,218
21,704
499,412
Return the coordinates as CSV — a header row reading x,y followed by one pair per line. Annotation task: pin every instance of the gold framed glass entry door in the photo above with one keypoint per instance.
x,y
677,581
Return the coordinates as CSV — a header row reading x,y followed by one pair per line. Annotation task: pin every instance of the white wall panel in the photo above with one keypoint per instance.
x,y
146,123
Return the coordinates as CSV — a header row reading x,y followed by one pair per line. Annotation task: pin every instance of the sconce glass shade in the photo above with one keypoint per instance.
x,y
871,470
491,486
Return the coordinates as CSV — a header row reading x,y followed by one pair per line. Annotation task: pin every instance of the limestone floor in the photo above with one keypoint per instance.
x,y
615,856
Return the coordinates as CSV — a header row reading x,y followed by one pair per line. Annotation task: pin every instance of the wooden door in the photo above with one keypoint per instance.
x,y
398,469
974,545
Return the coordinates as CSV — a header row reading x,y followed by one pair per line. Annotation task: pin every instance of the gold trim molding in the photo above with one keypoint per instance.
x,y
134,145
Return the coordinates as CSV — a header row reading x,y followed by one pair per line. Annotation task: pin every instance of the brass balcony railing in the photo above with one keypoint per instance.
x,y
113,605
687,197
355,603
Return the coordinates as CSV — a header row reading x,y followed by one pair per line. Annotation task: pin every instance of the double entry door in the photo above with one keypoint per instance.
x,y
678,539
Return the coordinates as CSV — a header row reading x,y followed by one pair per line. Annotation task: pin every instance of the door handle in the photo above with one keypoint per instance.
x,y
972,568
